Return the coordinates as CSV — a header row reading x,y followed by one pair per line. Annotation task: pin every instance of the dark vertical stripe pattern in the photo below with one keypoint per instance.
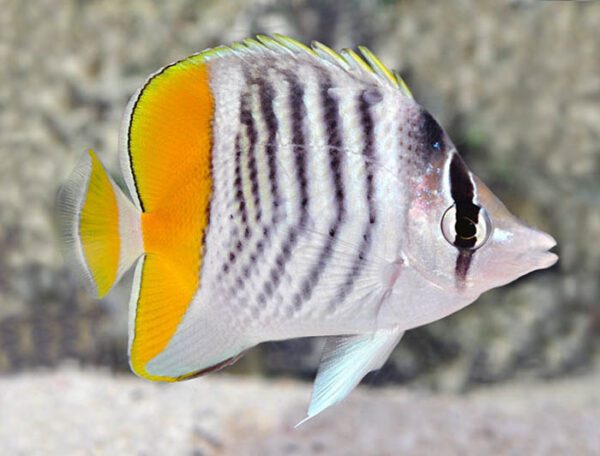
x,y
298,114
364,108
334,143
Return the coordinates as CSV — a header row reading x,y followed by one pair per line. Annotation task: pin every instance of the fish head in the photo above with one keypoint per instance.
x,y
461,238
506,247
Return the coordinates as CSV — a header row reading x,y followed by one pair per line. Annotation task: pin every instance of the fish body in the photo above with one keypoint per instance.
x,y
281,191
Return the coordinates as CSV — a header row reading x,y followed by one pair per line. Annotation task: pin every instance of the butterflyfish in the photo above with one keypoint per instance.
x,y
277,191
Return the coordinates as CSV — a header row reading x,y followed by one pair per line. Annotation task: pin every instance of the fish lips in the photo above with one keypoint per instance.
x,y
537,250
527,251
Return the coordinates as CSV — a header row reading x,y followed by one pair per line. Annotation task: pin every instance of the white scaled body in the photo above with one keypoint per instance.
x,y
283,191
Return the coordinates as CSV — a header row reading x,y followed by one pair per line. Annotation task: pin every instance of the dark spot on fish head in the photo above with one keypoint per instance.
x,y
432,135
421,136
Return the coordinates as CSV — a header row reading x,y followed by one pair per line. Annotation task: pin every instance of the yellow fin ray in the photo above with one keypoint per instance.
x,y
98,225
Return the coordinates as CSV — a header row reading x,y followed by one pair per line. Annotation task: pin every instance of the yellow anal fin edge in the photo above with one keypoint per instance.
x,y
161,293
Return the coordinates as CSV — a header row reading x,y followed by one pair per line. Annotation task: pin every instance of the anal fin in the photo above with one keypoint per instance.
x,y
344,363
217,367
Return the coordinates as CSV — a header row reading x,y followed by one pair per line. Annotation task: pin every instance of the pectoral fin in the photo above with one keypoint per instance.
x,y
345,361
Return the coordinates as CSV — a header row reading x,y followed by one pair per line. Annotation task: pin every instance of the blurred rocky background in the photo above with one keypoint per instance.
x,y
516,83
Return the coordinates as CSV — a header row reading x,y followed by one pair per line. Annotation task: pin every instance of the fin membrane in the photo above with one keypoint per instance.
x,y
345,361
98,226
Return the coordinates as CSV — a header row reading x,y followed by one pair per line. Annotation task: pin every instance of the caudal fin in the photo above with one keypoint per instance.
x,y
100,229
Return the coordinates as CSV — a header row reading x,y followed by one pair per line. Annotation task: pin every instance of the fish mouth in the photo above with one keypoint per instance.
x,y
544,258
547,259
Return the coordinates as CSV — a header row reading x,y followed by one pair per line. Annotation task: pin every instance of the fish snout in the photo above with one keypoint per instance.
x,y
535,246
543,242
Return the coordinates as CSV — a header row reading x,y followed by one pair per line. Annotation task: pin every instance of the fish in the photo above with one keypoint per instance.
x,y
277,191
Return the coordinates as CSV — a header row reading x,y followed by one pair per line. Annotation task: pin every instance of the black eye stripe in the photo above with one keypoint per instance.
x,y
463,262
461,186
462,191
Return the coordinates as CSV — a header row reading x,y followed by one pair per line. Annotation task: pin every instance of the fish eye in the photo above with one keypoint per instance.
x,y
466,232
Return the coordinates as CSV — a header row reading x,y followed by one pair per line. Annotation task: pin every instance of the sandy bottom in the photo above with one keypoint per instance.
x,y
71,411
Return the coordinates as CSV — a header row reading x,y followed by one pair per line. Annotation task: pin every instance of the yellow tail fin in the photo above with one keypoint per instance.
x,y
100,228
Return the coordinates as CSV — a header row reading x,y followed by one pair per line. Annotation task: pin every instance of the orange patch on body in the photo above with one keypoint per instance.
x,y
170,146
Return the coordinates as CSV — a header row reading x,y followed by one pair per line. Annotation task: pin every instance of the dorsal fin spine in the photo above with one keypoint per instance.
x,y
293,44
275,45
403,87
347,59
355,60
328,54
252,43
377,66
